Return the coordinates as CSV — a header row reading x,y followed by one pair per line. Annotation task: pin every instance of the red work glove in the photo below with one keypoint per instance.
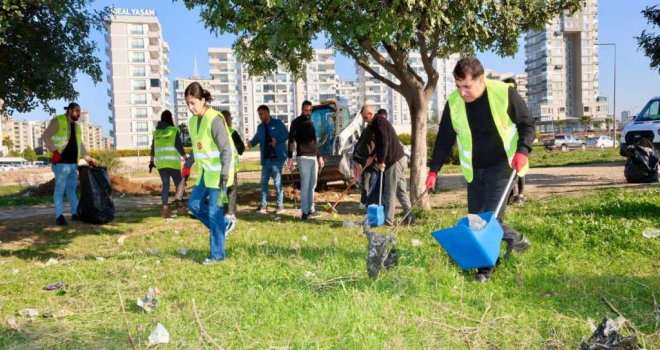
x,y
519,163
185,172
56,157
431,178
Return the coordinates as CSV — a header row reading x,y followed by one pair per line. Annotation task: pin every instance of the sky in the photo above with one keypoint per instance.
x,y
619,23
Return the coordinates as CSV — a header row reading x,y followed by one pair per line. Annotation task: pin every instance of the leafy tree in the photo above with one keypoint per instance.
x,y
6,141
586,121
109,159
29,154
43,45
650,42
272,32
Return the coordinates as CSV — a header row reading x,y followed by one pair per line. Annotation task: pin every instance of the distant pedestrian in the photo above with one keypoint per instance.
x,y
230,209
212,151
63,140
302,139
166,154
271,136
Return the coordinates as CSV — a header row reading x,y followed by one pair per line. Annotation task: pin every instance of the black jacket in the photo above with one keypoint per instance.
x,y
388,149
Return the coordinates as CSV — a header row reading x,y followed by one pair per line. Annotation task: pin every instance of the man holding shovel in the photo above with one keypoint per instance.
x,y
494,131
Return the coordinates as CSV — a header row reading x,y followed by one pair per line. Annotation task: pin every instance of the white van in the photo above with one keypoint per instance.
x,y
645,125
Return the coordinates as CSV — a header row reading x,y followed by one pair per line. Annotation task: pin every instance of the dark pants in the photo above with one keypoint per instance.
x,y
367,179
165,175
484,193
230,208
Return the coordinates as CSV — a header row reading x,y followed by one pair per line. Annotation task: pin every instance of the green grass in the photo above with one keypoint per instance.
x,y
17,195
274,289
540,157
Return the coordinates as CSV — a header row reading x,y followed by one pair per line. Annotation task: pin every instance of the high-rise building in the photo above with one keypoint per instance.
x,y
225,69
321,80
19,133
138,75
38,127
519,78
373,91
562,70
347,92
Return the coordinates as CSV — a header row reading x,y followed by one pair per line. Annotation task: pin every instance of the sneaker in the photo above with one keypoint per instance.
x,y
208,261
484,274
75,217
519,200
261,210
314,214
279,210
230,224
61,221
305,217
165,213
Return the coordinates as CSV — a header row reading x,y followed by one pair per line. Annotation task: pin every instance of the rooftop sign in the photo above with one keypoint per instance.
x,y
133,12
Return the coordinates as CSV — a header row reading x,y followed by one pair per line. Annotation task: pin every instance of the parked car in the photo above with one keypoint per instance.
x,y
601,142
564,142
645,125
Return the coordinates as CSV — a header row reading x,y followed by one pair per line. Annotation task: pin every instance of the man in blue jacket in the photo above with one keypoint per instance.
x,y
272,136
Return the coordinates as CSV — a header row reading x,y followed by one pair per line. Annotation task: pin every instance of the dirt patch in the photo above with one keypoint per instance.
x,y
119,184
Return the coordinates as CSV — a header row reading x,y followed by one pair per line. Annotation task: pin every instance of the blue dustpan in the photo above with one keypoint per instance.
x,y
376,212
472,249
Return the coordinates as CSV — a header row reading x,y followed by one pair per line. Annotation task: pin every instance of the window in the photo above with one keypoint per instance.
x,y
137,57
154,83
138,72
140,113
139,84
140,127
136,29
137,43
139,99
586,108
141,140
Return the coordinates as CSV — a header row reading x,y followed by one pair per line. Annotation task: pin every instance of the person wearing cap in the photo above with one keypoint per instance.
x,y
63,140
494,131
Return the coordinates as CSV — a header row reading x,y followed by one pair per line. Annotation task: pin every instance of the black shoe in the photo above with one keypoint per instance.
x,y
61,221
522,245
314,214
75,217
484,274
305,217
519,200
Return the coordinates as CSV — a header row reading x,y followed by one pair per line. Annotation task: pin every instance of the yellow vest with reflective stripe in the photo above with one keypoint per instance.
x,y
206,153
61,136
498,101
165,152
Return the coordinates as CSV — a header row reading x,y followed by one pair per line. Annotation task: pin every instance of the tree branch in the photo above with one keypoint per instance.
x,y
359,60
369,47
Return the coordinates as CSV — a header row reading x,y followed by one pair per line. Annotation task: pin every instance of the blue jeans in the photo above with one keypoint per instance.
x,y
272,168
211,215
66,179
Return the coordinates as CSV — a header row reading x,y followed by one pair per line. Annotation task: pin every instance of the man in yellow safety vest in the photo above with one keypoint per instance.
x,y
494,131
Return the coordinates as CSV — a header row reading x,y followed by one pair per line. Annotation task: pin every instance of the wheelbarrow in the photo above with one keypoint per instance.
x,y
475,248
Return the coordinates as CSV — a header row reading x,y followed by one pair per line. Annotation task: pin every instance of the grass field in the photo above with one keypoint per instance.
x,y
287,284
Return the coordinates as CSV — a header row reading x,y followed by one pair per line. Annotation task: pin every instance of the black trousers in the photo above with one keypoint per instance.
x,y
230,208
484,193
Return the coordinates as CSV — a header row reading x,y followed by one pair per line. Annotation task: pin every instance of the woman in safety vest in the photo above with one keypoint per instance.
x,y
166,153
212,150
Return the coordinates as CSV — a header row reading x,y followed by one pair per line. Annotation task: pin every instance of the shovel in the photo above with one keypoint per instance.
x,y
473,249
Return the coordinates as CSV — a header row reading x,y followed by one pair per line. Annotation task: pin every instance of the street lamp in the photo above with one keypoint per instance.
x,y
614,101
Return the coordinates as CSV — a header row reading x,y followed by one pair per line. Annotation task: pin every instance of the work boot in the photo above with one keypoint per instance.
x,y
484,274
61,221
165,213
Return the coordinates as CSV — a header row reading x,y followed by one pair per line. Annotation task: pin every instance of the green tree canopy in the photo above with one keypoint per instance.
x,y
272,32
43,45
29,154
650,42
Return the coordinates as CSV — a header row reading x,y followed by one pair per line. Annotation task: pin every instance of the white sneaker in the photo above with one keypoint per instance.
x,y
230,225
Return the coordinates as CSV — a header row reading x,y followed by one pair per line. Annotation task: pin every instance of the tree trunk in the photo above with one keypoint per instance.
x,y
418,104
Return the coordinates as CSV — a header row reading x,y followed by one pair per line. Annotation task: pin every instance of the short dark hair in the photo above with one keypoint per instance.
x,y
511,81
71,105
382,112
263,108
196,90
166,117
306,103
468,66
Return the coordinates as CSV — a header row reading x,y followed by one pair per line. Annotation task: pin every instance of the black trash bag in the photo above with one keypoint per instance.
x,y
607,337
642,163
95,205
382,253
